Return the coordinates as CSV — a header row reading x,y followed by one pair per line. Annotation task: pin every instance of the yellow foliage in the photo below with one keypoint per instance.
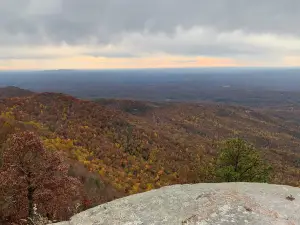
x,y
67,145
149,187
135,188
86,162
8,115
102,172
34,124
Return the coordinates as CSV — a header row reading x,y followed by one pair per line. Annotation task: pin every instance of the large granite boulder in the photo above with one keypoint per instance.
x,y
224,203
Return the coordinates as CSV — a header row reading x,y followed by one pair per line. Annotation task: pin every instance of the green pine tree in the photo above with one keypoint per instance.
x,y
239,161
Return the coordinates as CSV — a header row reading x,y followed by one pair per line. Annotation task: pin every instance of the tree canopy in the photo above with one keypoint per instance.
x,y
239,161
31,175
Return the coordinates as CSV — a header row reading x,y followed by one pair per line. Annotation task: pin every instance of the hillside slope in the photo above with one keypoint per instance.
x,y
198,127
163,145
10,92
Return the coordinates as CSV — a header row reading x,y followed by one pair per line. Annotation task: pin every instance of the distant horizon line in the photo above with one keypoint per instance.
x,y
168,68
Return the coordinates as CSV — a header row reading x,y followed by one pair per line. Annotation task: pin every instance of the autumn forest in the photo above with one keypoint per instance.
x,y
61,155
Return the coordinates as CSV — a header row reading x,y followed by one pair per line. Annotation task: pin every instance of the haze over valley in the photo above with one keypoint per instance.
x,y
246,86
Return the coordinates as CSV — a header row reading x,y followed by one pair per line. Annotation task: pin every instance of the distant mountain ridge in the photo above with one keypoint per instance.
x,y
249,87
12,91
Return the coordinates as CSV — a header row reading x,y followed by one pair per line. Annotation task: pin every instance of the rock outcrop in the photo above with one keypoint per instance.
x,y
224,203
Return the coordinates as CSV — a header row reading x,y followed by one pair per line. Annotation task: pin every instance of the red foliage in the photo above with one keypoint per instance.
x,y
31,175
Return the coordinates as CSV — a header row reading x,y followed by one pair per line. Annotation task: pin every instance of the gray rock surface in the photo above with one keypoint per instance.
x,y
203,204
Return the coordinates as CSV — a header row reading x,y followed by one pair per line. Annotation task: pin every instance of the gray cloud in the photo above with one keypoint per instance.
x,y
76,22
110,54
73,21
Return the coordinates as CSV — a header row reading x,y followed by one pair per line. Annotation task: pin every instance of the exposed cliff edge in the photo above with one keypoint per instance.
x,y
225,203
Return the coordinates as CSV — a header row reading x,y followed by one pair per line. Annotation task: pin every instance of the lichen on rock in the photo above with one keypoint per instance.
x,y
199,204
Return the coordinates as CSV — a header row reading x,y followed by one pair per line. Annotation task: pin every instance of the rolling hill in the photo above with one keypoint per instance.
x,y
11,91
134,146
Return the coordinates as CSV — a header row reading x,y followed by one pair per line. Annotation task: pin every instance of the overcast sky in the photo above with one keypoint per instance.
x,y
95,34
